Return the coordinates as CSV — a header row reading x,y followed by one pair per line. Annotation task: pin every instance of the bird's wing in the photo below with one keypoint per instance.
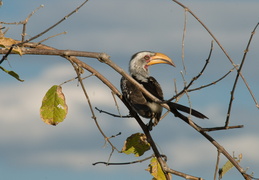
x,y
135,98
154,88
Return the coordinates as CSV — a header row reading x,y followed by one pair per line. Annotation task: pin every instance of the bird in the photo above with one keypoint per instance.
x,y
142,104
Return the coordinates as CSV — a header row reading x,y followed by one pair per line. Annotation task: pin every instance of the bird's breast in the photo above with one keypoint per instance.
x,y
156,108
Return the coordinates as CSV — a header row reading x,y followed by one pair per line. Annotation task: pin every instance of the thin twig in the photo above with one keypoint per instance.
x,y
222,128
114,115
188,97
89,103
186,176
164,115
6,30
183,38
221,47
237,77
125,163
75,79
217,165
194,78
116,103
213,83
51,37
6,55
110,156
43,32
54,25
24,23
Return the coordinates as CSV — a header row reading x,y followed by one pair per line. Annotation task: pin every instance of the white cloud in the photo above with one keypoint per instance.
x,y
74,159
189,153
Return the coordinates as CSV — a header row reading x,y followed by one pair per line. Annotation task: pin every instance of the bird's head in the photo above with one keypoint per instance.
x,y
140,62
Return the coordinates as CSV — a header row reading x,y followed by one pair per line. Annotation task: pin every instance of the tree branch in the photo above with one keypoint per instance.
x,y
221,47
237,77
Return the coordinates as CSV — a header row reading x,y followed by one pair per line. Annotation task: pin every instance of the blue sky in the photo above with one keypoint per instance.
x,y
30,149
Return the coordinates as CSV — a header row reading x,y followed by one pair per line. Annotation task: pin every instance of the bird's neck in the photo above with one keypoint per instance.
x,y
140,78
140,74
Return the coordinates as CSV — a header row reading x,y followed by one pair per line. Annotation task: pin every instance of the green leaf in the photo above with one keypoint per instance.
x,y
12,73
155,170
136,144
53,109
227,166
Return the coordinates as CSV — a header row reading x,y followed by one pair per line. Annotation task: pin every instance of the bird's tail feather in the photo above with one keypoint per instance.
x,y
174,107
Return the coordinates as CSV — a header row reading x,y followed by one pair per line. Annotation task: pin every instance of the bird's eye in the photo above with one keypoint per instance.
x,y
147,57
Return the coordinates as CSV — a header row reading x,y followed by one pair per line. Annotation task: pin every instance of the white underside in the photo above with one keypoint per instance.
x,y
155,107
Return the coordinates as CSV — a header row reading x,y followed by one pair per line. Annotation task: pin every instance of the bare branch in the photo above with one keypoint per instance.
x,y
114,115
54,25
237,77
71,59
221,47
217,165
40,34
222,128
186,87
186,176
51,37
183,38
116,104
125,163
24,21
212,83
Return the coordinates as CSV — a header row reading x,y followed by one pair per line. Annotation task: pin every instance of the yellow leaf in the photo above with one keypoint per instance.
x,y
228,165
136,144
155,170
8,42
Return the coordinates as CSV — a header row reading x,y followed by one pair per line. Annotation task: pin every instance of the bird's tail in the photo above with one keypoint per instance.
x,y
174,107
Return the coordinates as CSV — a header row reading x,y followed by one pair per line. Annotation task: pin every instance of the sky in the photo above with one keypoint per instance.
x,y
31,149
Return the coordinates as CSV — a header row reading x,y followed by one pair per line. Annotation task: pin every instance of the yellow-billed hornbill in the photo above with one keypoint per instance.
x,y
141,104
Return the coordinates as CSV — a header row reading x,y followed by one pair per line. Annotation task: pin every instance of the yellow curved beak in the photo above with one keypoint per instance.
x,y
159,58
